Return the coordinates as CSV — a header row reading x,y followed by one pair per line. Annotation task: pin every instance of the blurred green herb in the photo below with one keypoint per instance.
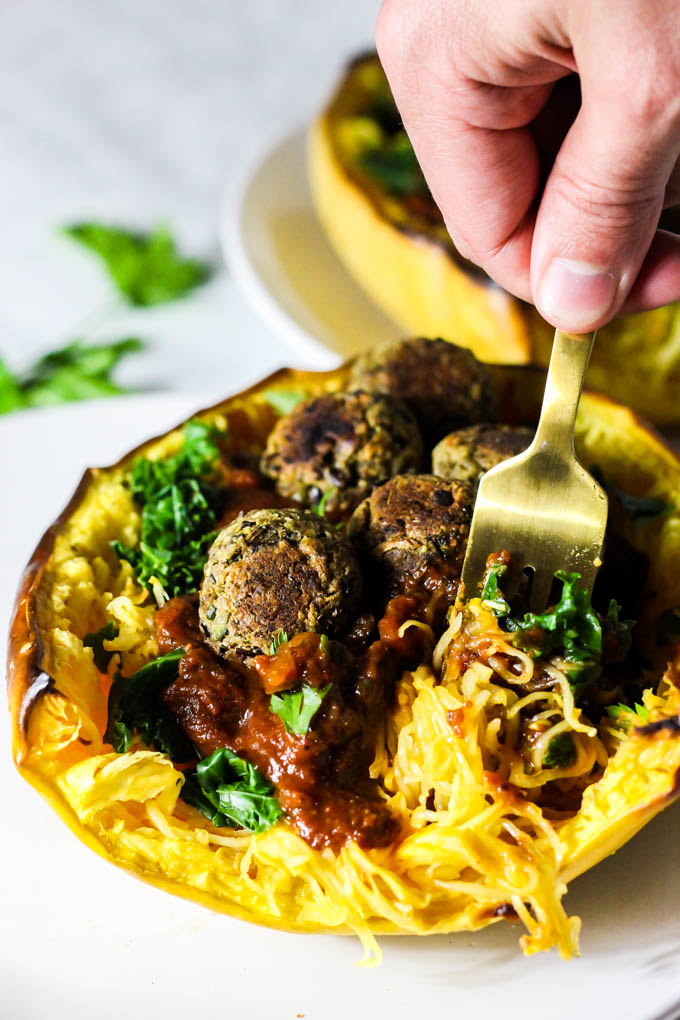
x,y
77,371
284,401
320,508
146,268
394,166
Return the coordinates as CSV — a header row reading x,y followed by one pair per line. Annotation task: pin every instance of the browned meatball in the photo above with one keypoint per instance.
x,y
273,570
466,454
444,385
338,446
414,529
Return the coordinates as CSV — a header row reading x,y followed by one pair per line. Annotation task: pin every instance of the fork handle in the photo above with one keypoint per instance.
x,y
566,372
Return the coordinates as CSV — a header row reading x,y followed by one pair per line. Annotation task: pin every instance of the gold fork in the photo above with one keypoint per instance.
x,y
543,506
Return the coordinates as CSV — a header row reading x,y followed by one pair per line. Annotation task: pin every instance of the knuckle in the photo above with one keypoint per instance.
x,y
392,31
650,93
619,203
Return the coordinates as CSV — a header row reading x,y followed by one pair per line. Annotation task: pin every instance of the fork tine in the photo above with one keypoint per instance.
x,y
542,506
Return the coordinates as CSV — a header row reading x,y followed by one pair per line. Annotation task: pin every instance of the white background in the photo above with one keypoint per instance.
x,y
138,111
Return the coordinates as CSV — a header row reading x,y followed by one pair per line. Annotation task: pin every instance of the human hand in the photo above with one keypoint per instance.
x,y
562,212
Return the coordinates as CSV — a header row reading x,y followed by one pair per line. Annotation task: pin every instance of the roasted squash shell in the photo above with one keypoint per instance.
x,y
412,271
456,873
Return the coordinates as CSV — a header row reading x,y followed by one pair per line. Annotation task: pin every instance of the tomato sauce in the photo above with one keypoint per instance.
x,y
322,777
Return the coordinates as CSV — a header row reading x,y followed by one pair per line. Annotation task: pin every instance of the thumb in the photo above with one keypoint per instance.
x,y
600,207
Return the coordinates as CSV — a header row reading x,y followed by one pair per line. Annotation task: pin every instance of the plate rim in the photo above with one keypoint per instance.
x,y
235,249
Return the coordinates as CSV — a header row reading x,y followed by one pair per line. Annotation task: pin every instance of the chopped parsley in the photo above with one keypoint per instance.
x,y
624,716
95,640
146,268
135,706
296,709
560,753
280,638
77,371
178,513
231,792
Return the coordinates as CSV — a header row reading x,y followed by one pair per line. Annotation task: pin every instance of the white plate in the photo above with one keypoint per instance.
x,y
80,938
276,249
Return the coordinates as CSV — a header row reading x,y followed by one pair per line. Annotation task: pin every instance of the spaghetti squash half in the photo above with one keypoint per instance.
x,y
387,762
378,214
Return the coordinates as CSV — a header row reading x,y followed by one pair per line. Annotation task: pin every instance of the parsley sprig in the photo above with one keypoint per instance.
x,y
146,268
178,513
78,371
296,709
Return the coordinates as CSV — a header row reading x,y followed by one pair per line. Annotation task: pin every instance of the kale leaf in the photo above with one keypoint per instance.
x,y
77,371
492,596
135,706
296,709
178,513
230,791
571,628
95,640
560,753
146,268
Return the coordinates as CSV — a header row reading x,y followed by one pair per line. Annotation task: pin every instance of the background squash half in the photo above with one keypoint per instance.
x,y
402,256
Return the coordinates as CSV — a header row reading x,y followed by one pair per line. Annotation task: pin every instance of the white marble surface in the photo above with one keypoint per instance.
x,y
139,111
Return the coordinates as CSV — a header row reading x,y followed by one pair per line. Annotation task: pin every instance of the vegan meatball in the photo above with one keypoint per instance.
x,y
338,446
466,454
414,529
274,570
443,385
